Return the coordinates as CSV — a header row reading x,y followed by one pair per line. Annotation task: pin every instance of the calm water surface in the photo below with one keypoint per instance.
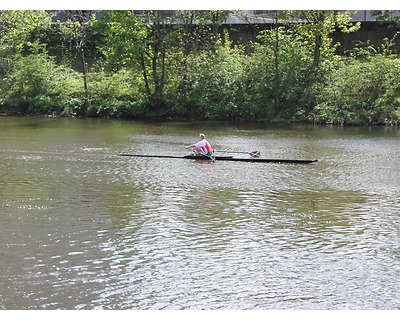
x,y
83,228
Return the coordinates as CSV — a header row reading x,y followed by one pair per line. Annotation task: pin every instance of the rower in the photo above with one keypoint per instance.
x,y
203,147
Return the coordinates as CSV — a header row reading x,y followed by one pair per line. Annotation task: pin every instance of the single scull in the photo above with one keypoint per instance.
x,y
222,158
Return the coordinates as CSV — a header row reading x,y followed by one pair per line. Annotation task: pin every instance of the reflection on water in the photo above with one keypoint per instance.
x,y
82,228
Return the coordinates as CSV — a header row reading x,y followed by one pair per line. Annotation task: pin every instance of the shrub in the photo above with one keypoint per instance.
x,y
361,92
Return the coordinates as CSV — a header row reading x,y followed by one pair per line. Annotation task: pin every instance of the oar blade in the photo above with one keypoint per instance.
x,y
254,154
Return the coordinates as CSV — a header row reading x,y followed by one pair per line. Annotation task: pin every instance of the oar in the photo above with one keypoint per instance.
x,y
250,153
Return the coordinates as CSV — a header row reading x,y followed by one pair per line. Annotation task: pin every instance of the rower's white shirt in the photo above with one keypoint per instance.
x,y
201,145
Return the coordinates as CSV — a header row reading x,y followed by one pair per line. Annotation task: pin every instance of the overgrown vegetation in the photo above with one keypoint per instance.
x,y
177,65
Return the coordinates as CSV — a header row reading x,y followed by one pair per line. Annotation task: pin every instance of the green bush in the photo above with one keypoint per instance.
x,y
361,92
36,84
215,82
115,94
275,78
279,66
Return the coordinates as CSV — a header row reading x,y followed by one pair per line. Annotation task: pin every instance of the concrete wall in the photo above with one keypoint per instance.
x,y
375,32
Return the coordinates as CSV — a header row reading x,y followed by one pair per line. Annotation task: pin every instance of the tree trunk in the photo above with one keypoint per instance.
x,y
277,79
84,69
184,86
145,77
317,51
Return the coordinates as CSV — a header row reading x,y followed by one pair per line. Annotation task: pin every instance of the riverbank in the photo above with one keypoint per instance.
x,y
182,120
285,75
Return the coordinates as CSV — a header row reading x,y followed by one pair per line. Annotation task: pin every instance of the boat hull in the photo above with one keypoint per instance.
x,y
224,158
259,160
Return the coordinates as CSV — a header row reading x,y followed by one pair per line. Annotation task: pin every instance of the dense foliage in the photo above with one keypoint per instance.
x,y
180,65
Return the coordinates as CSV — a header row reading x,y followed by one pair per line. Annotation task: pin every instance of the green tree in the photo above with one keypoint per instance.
x,y
278,16
20,33
365,89
25,66
215,83
187,19
213,18
21,29
319,25
278,66
139,43
196,32
77,31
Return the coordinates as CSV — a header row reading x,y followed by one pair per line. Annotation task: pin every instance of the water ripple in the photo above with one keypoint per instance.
x,y
82,228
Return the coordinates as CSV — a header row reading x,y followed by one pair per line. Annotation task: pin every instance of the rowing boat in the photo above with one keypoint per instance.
x,y
222,158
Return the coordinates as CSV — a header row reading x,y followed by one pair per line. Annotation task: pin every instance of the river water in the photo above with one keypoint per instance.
x,y
84,228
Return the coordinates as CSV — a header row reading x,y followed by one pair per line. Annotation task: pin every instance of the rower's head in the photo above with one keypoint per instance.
x,y
202,136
